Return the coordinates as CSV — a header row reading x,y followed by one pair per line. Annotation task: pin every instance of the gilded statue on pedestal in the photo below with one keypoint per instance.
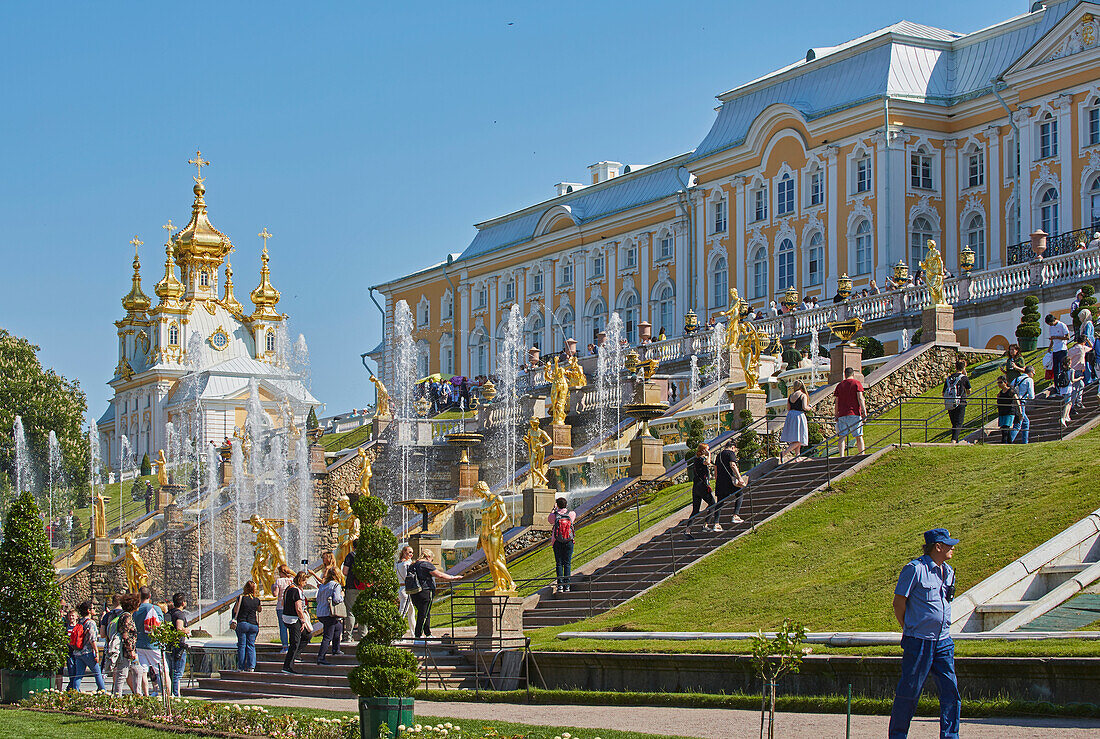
x,y
99,515
752,343
382,403
269,552
162,469
561,380
347,530
933,275
366,471
536,440
137,576
245,441
491,540
574,375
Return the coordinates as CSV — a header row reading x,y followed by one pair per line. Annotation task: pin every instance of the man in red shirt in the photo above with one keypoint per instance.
x,y
850,410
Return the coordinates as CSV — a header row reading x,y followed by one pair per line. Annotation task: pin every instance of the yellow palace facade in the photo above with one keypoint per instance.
x,y
842,163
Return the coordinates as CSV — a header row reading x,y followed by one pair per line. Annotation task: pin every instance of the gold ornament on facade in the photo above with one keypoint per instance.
x,y
488,391
790,298
268,552
199,245
136,302
649,367
933,275
265,297
536,440
630,364
230,302
691,321
219,339
491,540
137,575
901,273
967,257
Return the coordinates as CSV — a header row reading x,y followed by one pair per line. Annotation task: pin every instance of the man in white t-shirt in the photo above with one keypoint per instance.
x,y
1059,339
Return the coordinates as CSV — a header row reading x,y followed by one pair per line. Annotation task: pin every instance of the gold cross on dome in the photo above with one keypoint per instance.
x,y
136,242
265,236
168,227
199,163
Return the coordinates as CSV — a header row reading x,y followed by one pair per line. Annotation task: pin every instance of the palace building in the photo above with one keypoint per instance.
x,y
841,164
197,348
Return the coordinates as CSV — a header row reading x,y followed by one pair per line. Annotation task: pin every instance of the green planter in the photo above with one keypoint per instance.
x,y
15,685
393,712
1028,343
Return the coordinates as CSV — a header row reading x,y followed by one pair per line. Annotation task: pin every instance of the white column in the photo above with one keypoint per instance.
x,y
699,289
644,265
548,278
611,269
833,243
462,330
883,207
737,267
1067,142
493,286
894,249
679,270
993,183
951,203
1023,197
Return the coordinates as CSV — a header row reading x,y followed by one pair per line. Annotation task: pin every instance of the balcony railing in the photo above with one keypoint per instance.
x,y
1057,245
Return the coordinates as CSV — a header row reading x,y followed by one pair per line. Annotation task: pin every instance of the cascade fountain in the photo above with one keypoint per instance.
x,y
212,505
693,386
241,508
24,474
403,350
815,354
609,367
511,356
56,472
305,498
125,463
718,343
300,362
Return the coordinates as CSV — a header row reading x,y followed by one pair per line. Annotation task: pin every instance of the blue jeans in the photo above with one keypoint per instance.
x,y
282,626
175,669
919,657
1021,425
246,645
80,663
563,562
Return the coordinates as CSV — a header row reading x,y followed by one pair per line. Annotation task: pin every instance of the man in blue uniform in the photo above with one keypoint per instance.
x,y
922,606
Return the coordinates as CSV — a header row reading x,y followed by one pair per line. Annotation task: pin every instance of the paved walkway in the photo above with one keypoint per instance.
x,y
714,723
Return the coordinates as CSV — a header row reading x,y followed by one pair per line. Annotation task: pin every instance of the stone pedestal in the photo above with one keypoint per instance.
x,y
537,505
842,356
101,551
562,437
646,457
165,495
378,425
317,462
464,480
754,403
648,392
427,542
937,323
498,616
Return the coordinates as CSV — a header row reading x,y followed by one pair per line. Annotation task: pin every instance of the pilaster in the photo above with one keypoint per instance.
x,y
1067,143
993,183
833,245
951,203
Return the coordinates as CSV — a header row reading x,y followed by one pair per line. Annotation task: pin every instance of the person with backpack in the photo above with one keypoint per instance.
x,y
108,626
561,521
1006,409
146,618
296,617
420,585
699,471
82,646
728,481
127,668
177,656
1059,338
1065,378
956,388
69,621
330,612
1024,386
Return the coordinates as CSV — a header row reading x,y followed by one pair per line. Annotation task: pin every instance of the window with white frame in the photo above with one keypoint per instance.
x,y
1012,158
1048,136
1048,210
631,259
817,187
422,314
446,358
536,327
863,174
664,309
482,296
536,282
173,335
270,341
1092,123
975,239
1094,204
422,360
665,247
975,168
566,273
567,324
596,321
815,259
479,353
720,283
760,273
864,249
784,196
920,169
919,236
204,278
719,209
784,265
447,306
628,309
598,265
509,291
760,203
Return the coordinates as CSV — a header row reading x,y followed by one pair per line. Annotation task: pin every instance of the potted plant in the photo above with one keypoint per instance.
x,y
387,675
33,647
1029,330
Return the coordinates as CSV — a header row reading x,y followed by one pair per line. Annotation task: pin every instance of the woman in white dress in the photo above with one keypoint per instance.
x,y
404,601
796,430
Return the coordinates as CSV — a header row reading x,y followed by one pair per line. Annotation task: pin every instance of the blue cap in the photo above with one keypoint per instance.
x,y
939,536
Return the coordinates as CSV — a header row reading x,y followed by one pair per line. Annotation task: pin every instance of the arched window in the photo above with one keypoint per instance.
x,y
1048,211
270,341
1094,202
975,239
479,353
567,328
785,265
720,282
815,260
1048,136
760,273
628,311
173,335
864,251
423,351
536,326
664,310
595,321
204,278
919,236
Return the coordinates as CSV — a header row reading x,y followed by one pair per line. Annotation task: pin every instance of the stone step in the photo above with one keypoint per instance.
x,y
1066,569
1004,606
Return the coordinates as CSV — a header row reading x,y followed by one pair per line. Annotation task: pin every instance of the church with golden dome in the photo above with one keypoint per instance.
x,y
191,358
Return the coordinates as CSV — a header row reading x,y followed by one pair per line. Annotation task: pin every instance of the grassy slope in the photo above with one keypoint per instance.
x,y
347,439
832,562
131,509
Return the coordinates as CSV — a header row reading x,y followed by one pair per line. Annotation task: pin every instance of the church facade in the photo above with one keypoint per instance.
x,y
841,164
192,357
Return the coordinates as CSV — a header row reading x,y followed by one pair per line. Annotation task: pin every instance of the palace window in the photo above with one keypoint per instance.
x,y
446,359
270,341
422,314
919,237
567,323
817,188
204,278
1048,211
720,283
173,335
760,273
1048,136
784,196
535,329
665,309
482,297
598,266
760,204
864,252
479,353
1012,149
510,290
631,257
536,283
1092,124
785,265
863,174
719,216
975,239
448,306
666,247
628,309
920,169
975,169
815,260
1094,203
566,273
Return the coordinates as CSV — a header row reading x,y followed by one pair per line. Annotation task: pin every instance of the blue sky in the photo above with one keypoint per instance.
x,y
367,137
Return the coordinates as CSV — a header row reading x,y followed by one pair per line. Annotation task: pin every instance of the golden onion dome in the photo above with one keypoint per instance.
x,y
265,297
169,289
230,302
136,302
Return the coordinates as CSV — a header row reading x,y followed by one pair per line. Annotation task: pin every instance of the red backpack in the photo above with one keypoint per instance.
x,y
563,527
76,636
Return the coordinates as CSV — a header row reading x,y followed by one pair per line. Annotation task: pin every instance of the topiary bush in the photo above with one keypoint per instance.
x,y
146,465
30,599
696,435
311,419
1029,330
1088,300
384,671
749,452
872,347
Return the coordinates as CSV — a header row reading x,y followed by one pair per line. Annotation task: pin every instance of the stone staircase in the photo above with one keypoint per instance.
x,y
1044,414
683,544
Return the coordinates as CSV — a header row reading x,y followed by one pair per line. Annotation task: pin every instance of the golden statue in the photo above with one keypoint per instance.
x,y
347,530
99,516
137,576
245,442
733,320
162,469
573,372
751,345
269,552
649,367
382,403
491,540
536,440
559,391
933,275
367,472
288,416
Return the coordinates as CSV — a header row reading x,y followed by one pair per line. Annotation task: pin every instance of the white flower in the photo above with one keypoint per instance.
x,y
448,725
401,727
566,735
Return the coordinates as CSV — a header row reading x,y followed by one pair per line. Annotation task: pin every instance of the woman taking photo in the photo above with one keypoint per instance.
x,y
247,625
296,617
796,431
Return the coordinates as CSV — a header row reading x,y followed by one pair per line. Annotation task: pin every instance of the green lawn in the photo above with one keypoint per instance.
x,y
131,509
832,562
347,439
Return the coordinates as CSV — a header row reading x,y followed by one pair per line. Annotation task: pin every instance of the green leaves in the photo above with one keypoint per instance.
x,y
774,658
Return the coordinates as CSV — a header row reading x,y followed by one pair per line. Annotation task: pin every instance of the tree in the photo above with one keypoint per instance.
x,y
311,419
872,347
146,465
774,658
748,443
695,434
30,599
47,402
